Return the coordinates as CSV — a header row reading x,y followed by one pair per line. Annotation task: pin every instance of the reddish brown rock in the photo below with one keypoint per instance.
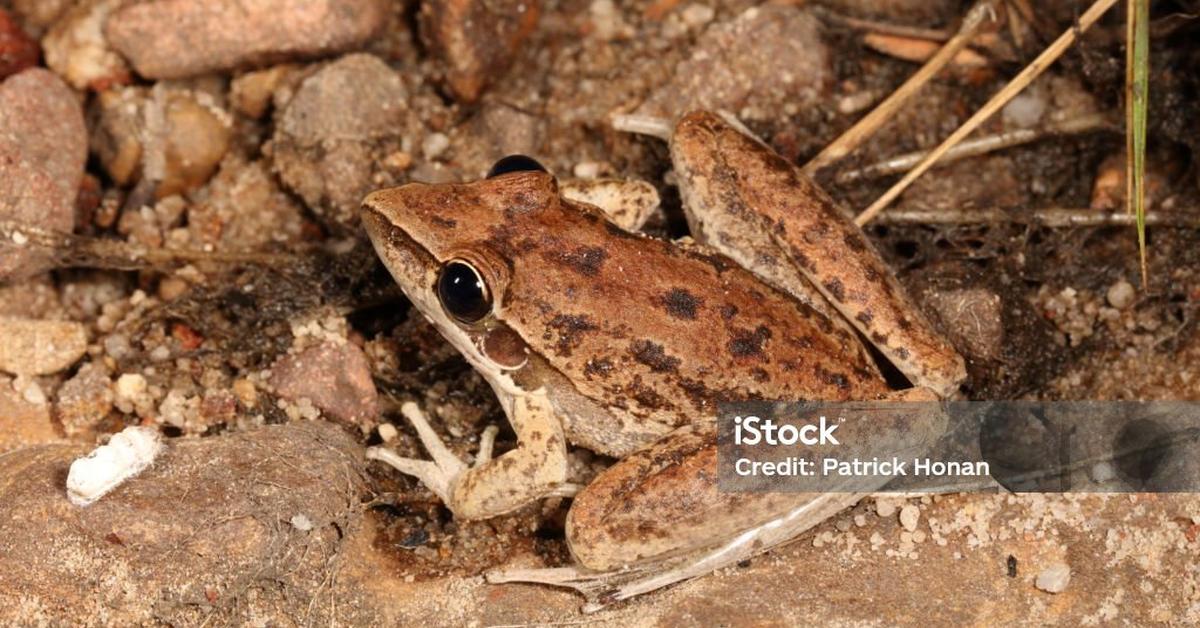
x,y
22,422
476,40
180,38
335,377
84,400
17,50
43,145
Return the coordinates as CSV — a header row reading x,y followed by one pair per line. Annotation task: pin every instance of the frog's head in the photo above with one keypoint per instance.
x,y
449,247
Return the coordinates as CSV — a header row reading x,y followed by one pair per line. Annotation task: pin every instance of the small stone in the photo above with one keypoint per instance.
x,y
476,41
910,515
860,520
388,432
1102,472
1054,579
219,218
885,507
1121,294
170,39
972,318
43,146
22,423
434,145
37,15
697,15
767,58
38,347
77,50
130,386
85,399
251,93
334,376
17,50
196,135
301,522
246,394
329,148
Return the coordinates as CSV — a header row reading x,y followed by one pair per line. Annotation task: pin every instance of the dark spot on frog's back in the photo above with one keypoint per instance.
x,y
836,289
445,223
854,241
653,356
749,344
597,368
570,329
838,380
680,303
585,260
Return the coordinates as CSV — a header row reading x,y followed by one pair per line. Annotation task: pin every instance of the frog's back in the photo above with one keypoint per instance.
x,y
662,331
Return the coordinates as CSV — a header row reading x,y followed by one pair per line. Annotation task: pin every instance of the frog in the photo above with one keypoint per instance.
x,y
594,335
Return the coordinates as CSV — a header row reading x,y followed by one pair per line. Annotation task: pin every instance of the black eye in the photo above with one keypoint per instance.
x,y
515,163
462,292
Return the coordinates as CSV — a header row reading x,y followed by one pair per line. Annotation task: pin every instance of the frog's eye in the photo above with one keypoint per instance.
x,y
515,163
462,291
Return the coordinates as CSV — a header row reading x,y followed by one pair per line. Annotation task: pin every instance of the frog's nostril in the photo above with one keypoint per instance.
x,y
515,163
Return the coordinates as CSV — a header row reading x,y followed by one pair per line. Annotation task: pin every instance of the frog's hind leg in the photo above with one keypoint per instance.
x,y
753,205
657,517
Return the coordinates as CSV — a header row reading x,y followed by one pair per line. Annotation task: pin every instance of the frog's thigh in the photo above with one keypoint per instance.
x,y
740,184
661,501
536,467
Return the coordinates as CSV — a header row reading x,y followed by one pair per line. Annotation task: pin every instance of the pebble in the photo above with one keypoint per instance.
x,y
1054,579
972,317
767,58
77,50
434,145
476,41
1121,294
885,507
910,515
43,146
84,400
22,422
170,39
301,522
334,376
329,149
1102,472
17,50
388,432
697,15
39,347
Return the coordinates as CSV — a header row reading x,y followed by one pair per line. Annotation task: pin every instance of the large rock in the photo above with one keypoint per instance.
x,y
216,524
337,131
43,146
34,347
334,377
180,38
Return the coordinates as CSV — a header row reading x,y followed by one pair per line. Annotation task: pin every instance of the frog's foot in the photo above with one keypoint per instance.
x,y
443,471
602,588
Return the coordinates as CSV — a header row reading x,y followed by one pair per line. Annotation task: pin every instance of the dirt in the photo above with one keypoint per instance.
x,y
208,274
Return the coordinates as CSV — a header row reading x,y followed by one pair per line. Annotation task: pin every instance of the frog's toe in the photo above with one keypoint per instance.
x,y
441,473
429,473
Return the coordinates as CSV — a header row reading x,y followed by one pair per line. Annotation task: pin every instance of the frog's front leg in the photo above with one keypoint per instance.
x,y
537,467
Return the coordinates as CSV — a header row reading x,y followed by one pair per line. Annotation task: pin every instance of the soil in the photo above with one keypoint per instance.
x,y
197,269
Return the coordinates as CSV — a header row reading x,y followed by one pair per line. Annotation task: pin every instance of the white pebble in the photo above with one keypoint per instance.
x,y
388,432
1121,294
1054,579
302,523
127,454
434,145
1102,472
909,516
884,507
698,15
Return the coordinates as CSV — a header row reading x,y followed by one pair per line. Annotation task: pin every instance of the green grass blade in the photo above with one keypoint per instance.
x,y
1137,77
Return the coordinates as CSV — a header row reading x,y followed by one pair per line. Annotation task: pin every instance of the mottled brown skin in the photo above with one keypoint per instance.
x,y
626,344
741,196
676,330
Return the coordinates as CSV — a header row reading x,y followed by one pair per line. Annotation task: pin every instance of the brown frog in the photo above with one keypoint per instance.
x,y
598,337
